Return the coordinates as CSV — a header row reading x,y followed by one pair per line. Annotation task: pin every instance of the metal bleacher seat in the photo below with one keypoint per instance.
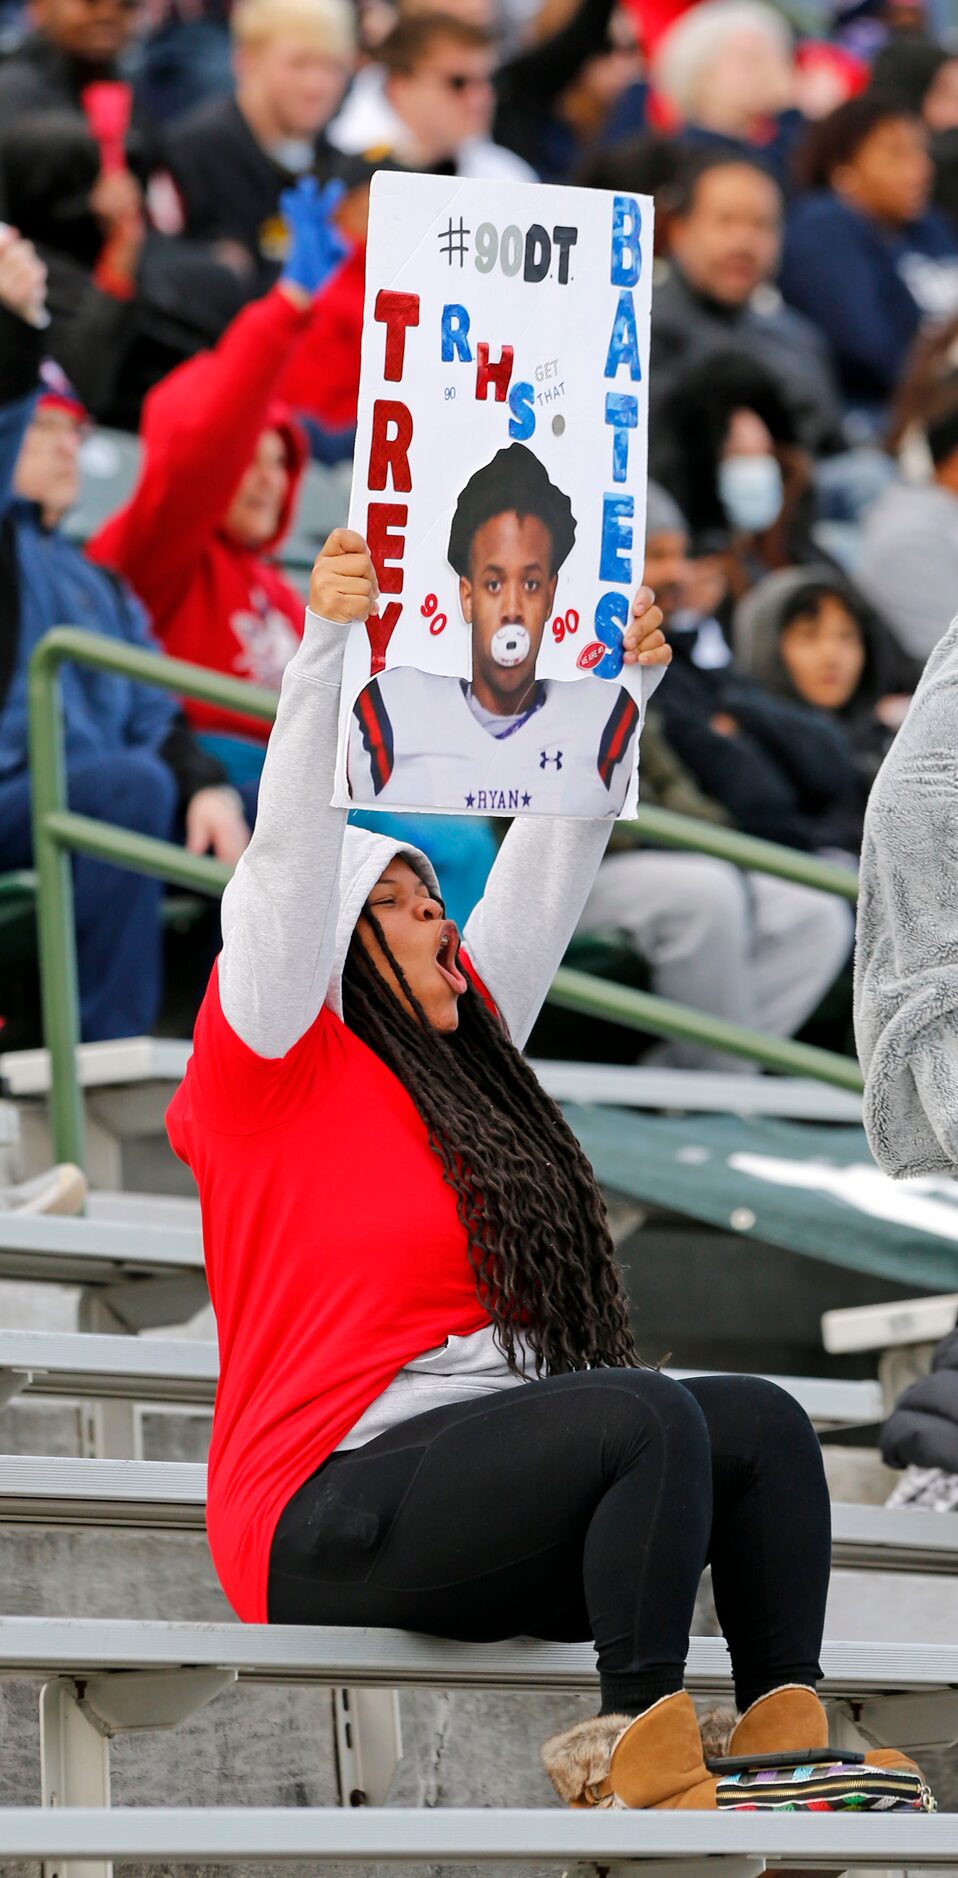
x,y
104,1677
731,1845
184,1370
149,1274
71,1491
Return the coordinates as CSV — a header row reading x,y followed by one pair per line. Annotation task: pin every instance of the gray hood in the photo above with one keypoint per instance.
x,y
364,858
757,625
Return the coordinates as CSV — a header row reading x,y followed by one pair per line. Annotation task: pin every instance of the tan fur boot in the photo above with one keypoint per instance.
x,y
785,1721
789,1719
653,1761
578,1760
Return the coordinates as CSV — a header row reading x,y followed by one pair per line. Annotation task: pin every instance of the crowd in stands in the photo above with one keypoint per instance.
x,y
184,193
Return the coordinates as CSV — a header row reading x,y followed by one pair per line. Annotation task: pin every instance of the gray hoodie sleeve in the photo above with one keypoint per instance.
x,y
906,960
542,876
518,933
279,910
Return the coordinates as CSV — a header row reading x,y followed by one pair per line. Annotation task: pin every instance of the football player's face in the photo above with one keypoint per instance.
x,y
506,601
422,940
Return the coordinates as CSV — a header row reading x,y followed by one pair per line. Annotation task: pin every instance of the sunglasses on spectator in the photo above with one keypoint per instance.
x,y
461,81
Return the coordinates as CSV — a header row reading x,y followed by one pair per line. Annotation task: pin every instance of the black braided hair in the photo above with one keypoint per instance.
x,y
535,1221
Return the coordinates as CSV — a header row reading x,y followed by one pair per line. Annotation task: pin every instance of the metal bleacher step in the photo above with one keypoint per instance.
x,y
184,1370
66,1491
141,1369
44,1249
745,1843
294,1653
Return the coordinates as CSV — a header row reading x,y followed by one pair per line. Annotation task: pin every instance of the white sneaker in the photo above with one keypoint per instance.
x,y
62,1189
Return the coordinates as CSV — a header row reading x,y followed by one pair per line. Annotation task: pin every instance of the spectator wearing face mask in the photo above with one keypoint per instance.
x,y
724,240
429,102
806,635
222,460
234,157
129,756
725,445
865,257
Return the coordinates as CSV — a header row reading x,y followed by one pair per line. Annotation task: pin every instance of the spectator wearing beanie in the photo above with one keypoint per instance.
x,y
908,566
221,466
865,257
129,755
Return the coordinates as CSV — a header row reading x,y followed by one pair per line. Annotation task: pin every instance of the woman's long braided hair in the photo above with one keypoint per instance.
x,y
537,1234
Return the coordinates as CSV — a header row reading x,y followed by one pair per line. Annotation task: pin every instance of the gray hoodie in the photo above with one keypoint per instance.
x,y
292,905
906,960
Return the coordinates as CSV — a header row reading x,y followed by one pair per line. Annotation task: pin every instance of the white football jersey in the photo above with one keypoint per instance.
x,y
414,742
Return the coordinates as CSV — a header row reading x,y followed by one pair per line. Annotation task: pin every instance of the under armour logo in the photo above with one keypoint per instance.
x,y
545,759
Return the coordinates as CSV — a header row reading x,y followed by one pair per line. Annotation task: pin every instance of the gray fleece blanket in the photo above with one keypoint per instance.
x,y
906,958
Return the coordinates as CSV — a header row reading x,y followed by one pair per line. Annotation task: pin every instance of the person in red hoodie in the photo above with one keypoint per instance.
x,y
222,462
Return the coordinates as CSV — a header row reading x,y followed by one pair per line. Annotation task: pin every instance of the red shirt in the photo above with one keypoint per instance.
x,y
334,1256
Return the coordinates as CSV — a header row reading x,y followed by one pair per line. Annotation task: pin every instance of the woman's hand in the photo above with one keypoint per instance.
x,y
643,642
343,584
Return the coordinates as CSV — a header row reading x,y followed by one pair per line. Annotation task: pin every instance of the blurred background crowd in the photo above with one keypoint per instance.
x,y
184,189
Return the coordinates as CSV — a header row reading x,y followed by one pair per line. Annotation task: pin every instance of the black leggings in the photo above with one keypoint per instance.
x,y
581,1506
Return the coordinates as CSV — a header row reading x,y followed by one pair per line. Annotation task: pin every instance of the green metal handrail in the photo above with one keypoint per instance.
x,y
58,832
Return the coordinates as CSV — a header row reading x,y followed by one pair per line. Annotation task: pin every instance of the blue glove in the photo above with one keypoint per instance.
x,y
316,247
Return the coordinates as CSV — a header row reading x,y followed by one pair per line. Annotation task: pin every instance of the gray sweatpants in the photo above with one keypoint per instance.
x,y
756,950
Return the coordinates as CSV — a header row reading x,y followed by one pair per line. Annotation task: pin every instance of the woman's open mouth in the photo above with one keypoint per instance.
x,y
446,958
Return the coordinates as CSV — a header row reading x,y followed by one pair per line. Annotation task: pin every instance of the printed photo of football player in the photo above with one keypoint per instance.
x,y
504,739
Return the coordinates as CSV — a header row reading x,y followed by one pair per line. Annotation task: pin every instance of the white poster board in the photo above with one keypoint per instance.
x,y
499,478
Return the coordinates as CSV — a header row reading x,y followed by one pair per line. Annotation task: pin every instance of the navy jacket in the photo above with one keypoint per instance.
x,y
866,287
785,773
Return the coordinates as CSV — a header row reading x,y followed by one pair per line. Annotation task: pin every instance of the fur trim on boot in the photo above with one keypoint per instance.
x,y
716,1728
579,1758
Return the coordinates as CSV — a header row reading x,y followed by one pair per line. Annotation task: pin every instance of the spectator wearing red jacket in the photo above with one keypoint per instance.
x,y
321,382
222,463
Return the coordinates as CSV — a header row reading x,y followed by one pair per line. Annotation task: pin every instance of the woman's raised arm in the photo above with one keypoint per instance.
x,y
279,910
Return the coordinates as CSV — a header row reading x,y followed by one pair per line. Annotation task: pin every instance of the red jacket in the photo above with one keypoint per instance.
x,y
322,377
212,600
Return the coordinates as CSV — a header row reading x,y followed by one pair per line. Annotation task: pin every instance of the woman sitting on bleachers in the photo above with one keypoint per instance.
x,y
431,1410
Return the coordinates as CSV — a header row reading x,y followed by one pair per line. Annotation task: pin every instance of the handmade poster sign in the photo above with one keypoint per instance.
x,y
500,482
